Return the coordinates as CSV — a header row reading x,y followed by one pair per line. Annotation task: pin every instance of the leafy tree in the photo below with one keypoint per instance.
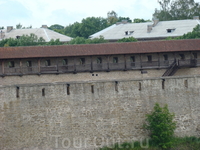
x,y
177,9
92,25
82,40
2,27
30,27
124,18
161,125
112,17
54,42
138,20
57,28
73,30
19,26
129,39
86,28
24,40
97,40
77,40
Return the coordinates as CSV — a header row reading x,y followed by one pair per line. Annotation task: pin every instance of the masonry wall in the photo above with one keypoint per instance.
x,y
89,114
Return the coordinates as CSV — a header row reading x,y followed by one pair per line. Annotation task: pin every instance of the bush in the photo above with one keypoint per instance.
x,y
161,125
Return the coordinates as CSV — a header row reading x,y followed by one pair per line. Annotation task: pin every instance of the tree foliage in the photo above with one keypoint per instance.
x,y
57,28
86,28
138,20
91,25
129,39
177,10
112,17
27,40
82,40
18,26
120,19
161,125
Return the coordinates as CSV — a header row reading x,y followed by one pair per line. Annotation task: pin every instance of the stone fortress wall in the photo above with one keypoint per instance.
x,y
63,115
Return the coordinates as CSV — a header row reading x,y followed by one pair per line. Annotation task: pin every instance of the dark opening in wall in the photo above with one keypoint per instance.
x,y
92,88
11,64
163,84
17,92
116,86
140,86
43,92
64,62
29,64
149,58
144,72
68,89
115,59
170,30
195,55
99,60
48,62
132,59
18,37
165,57
182,56
82,61
186,83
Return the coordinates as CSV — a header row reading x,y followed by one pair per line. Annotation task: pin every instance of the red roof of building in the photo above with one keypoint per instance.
x,y
100,49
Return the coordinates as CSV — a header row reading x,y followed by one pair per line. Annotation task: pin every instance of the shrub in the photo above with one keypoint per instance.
x,y
161,125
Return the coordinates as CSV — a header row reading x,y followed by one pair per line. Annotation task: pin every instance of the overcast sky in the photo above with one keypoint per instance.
x,y
65,12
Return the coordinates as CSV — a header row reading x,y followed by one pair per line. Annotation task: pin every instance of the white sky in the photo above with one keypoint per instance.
x,y
65,12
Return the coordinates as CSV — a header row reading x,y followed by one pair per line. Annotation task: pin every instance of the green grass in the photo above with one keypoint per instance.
x,y
186,143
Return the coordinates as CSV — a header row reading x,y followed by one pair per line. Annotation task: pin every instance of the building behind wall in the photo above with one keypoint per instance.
x,y
155,30
43,32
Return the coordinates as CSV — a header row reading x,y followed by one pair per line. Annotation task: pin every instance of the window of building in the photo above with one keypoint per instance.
x,y
115,59
11,64
29,64
99,60
171,30
165,57
18,37
131,32
48,62
82,61
132,58
149,57
182,56
195,55
64,62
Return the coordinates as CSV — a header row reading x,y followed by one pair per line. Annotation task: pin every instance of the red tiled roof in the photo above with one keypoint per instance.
x,y
100,49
